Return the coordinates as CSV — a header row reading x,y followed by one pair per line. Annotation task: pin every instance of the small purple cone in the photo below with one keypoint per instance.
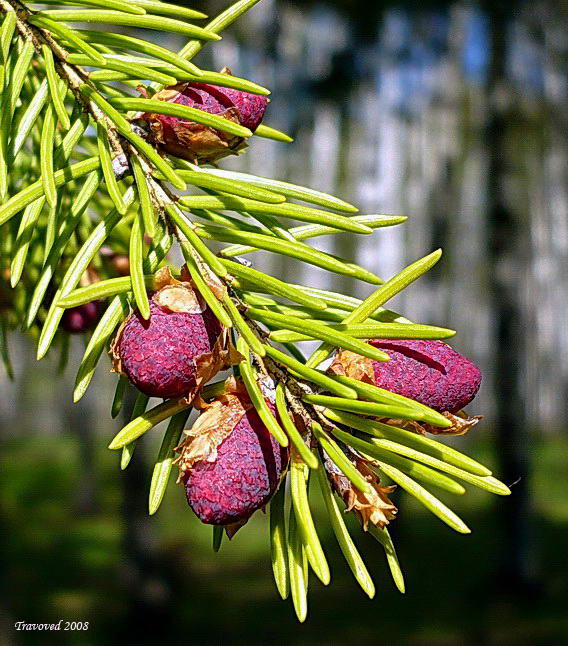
x,y
159,355
242,479
81,319
197,142
430,372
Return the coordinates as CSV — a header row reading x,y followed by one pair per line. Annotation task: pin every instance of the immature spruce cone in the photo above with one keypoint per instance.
x,y
196,142
231,465
178,349
81,319
430,372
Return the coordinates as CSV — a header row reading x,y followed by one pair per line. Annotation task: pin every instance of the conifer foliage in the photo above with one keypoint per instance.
x,y
109,146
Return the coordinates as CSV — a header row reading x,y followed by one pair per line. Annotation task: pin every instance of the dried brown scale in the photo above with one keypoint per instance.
x,y
373,507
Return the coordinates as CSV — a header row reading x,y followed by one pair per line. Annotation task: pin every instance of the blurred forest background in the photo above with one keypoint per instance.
x,y
454,114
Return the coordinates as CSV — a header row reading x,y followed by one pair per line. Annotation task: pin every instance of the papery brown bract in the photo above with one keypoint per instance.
x,y
373,507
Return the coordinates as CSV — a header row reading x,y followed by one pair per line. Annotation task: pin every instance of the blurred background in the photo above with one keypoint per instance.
x,y
453,113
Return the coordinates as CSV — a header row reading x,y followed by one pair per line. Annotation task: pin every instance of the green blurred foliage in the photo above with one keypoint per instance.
x,y
64,561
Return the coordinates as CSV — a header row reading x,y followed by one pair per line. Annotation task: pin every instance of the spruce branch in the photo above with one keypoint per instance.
x,y
93,179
